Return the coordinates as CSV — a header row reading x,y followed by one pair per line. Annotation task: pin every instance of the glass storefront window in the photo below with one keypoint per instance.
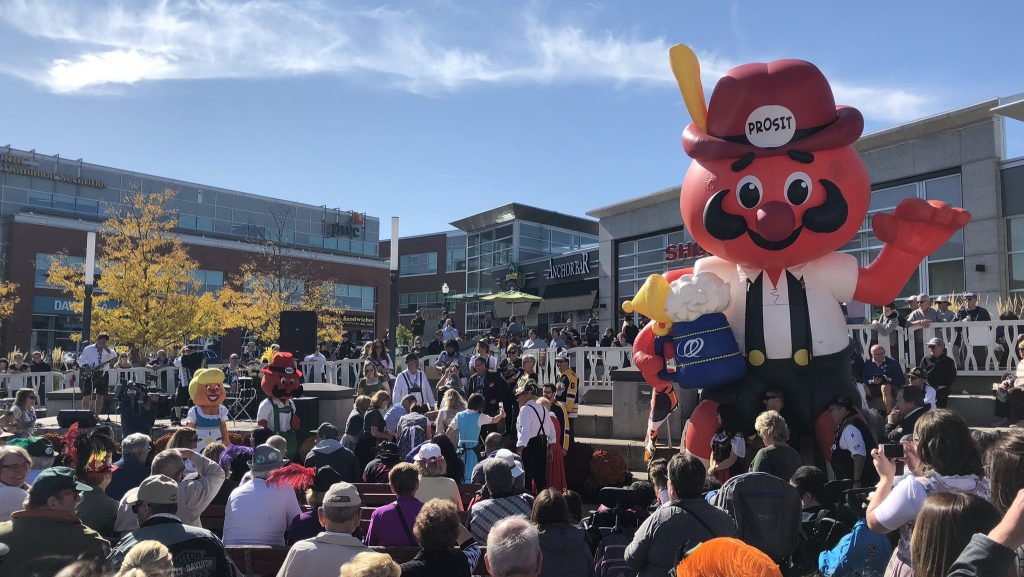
x,y
43,261
415,264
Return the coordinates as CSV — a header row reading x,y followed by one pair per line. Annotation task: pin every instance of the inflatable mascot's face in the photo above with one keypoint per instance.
x,y
775,181
281,377
207,388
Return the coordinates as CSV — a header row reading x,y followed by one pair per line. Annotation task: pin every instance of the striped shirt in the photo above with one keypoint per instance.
x,y
485,514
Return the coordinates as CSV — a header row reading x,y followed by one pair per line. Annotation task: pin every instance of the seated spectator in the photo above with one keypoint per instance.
x,y
943,458
880,371
993,554
566,553
916,377
940,370
396,412
657,472
575,503
503,502
728,447
329,451
280,443
260,436
513,549
14,466
132,468
324,553
511,459
687,520
438,530
21,418
414,429
1005,467
371,565
354,423
814,497
48,526
943,529
147,559
190,547
1009,394
306,524
909,407
456,470
97,510
391,525
852,443
195,491
40,450
433,483
777,457
214,450
379,469
235,462
256,513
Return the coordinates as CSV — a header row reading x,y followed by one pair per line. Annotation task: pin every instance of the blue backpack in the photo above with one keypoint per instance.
x,y
861,553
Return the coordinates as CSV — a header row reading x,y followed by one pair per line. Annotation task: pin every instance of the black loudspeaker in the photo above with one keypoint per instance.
x,y
298,333
84,417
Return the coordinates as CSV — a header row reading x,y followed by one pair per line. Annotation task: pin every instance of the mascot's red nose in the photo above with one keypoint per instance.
x,y
775,221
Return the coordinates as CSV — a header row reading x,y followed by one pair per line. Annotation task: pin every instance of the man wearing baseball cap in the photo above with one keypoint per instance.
x,y
917,377
196,551
325,553
48,524
941,371
258,513
329,452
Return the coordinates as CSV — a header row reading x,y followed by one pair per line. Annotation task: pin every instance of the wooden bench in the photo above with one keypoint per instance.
x,y
213,519
256,560
377,494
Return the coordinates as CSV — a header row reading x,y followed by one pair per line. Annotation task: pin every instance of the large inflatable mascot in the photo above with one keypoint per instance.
x,y
209,417
774,190
277,411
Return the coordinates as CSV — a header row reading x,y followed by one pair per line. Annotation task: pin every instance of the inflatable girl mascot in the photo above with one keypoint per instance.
x,y
277,411
775,189
209,417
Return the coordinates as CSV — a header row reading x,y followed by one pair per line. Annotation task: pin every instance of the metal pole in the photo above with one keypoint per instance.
x,y
393,321
89,280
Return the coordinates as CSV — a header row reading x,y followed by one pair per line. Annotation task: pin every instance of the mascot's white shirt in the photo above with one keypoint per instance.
x,y
828,281
266,412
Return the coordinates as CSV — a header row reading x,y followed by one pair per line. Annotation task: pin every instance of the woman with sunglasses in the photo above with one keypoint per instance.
x,y
21,418
381,359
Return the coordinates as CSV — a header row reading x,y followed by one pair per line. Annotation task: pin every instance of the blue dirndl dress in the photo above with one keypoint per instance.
x,y
469,438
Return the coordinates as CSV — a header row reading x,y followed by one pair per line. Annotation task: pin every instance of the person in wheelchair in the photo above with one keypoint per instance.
x,y
139,407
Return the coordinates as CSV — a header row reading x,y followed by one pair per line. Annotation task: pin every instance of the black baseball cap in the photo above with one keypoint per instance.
x,y
54,480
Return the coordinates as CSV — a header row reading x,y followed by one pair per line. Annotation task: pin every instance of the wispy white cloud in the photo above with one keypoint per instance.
x,y
96,48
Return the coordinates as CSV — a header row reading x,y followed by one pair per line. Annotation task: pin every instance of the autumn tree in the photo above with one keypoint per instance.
x,y
148,295
8,299
274,281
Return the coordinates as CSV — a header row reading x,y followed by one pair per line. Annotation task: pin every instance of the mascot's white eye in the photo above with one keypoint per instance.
x,y
798,188
749,191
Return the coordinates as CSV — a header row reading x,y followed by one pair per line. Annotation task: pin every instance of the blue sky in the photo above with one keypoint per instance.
x,y
434,110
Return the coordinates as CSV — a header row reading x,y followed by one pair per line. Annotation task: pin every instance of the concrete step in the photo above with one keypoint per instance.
x,y
977,410
974,385
598,396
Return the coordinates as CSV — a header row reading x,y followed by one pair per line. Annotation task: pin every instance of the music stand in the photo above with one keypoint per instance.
x,y
245,393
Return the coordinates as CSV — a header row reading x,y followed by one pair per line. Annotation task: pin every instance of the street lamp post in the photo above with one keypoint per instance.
x,y
393,321
89,280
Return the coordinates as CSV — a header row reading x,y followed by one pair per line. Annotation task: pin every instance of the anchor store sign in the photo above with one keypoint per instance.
x,y
576,266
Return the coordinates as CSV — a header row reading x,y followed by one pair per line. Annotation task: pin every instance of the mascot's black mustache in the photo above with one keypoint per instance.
x,y
282,393
827,217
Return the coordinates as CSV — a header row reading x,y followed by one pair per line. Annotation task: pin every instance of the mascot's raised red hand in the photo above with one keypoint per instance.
x,y
775,189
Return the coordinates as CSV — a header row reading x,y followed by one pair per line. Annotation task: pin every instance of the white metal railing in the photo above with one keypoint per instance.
x,y
43,383
982,348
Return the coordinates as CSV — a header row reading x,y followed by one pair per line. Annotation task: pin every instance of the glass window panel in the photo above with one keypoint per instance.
x,y
1014,234
561,238
36,198
952,249
676,237
890,197
946,277
947,189
1016,271
487,235
913,285
625,261
186,221
204,223
650,257
530,230
64,202
652,243
629,247
503,231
